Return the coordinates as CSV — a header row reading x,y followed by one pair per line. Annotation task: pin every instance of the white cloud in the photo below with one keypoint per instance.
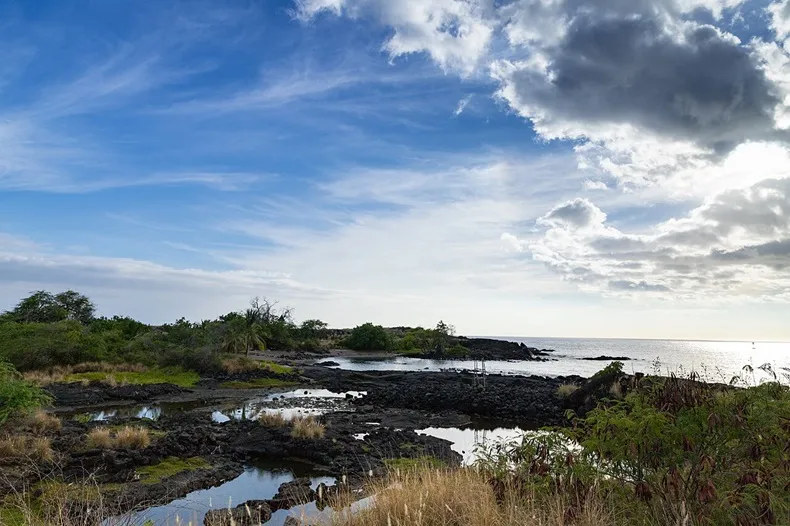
x,y
736,246
779,12
462,104
595,185
455,33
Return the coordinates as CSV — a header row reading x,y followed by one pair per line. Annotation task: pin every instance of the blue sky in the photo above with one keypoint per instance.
x,y
494,164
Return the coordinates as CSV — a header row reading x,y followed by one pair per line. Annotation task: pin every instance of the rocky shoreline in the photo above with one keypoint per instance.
x,y
395,404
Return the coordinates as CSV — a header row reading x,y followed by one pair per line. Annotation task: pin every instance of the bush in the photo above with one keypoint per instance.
x,y
41,345
369,337
18,397
675,450
204,361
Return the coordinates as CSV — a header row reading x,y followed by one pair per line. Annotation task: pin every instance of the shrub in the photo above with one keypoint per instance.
x,y
41,345
369,337
672,450
307,427
18,397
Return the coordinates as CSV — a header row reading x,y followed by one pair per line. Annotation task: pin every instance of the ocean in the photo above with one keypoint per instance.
x,y
712,360
716,360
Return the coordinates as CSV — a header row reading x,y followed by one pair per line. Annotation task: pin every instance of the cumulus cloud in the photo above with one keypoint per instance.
x,y
645,88
578,213
455,33
694,83
780,18
737,244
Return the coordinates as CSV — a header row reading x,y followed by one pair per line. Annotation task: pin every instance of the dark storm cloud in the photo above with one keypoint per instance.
x,y
682,80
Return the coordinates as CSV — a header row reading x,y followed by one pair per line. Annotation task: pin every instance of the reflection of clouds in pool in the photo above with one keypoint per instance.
x,y
256,483
316,402
466,441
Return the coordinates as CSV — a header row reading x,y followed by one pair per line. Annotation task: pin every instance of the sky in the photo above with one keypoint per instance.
x,y
570,168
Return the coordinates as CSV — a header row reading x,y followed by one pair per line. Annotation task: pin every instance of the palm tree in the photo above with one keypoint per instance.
x,y
245,334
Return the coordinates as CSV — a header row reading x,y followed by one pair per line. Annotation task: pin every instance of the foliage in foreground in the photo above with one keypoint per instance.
x,y
675,450
18,397
465,497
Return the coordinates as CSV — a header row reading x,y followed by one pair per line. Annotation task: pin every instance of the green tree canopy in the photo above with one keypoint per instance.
x,y
369,337
44,307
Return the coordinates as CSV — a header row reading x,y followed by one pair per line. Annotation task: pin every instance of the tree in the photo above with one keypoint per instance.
x,y
245,333
442,334
369,337
313,329
44,307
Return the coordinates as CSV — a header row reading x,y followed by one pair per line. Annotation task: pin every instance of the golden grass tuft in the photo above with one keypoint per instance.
x,y
43,422
100,438
565,390
127,437
22,446
307,427
465,497
273,420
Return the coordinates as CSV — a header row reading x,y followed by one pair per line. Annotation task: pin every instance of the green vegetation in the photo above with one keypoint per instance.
x,y
369,337
276,367
666,451
169,467
18,397
257,383
439,342
47,332
170,375
425,462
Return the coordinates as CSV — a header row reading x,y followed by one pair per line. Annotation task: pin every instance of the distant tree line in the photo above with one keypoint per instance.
x,y
45,330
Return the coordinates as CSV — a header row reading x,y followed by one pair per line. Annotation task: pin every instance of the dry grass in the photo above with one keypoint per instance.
x,y
61,373
127,437
464,497
240,364
43,422
100,438
565,390
307,427
273,420
22,446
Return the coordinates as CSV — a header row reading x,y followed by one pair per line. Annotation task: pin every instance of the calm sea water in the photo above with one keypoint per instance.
x,y
715,361
711,358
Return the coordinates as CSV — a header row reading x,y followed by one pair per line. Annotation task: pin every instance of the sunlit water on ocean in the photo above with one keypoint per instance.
x,y
716,361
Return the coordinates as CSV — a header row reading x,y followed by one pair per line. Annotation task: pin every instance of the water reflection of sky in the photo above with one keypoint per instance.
x,y
258,482
467,441
317,402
